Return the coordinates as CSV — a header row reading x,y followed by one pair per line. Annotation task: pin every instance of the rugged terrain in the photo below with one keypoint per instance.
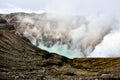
x,y
20,60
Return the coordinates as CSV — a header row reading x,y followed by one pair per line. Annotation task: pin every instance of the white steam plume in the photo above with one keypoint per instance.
x,y
110,46
92,28
73,36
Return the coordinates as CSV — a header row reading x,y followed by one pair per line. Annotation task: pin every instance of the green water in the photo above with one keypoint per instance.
x,y
62,51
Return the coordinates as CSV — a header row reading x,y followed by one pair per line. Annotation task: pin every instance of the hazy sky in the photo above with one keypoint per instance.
x,y
79,7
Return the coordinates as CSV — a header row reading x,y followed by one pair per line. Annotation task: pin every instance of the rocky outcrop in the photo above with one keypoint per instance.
x,y
20,60
2,20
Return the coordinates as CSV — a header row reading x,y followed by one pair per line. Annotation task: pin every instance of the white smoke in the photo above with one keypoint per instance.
x,y
86,36
109,47
73,28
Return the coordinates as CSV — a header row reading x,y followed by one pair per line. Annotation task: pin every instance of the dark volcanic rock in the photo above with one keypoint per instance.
x,y
5,26
2,20
20,60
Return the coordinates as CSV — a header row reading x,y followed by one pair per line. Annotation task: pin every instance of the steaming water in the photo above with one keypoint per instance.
x,y
62,51
71,36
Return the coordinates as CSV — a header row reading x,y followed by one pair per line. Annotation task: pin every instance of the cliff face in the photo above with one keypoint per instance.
x,y
20,60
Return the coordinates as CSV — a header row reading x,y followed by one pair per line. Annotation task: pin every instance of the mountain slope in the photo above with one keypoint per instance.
x,y
20,60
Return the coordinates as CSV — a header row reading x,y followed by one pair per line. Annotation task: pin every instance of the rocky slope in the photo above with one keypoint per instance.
x,y
20,60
